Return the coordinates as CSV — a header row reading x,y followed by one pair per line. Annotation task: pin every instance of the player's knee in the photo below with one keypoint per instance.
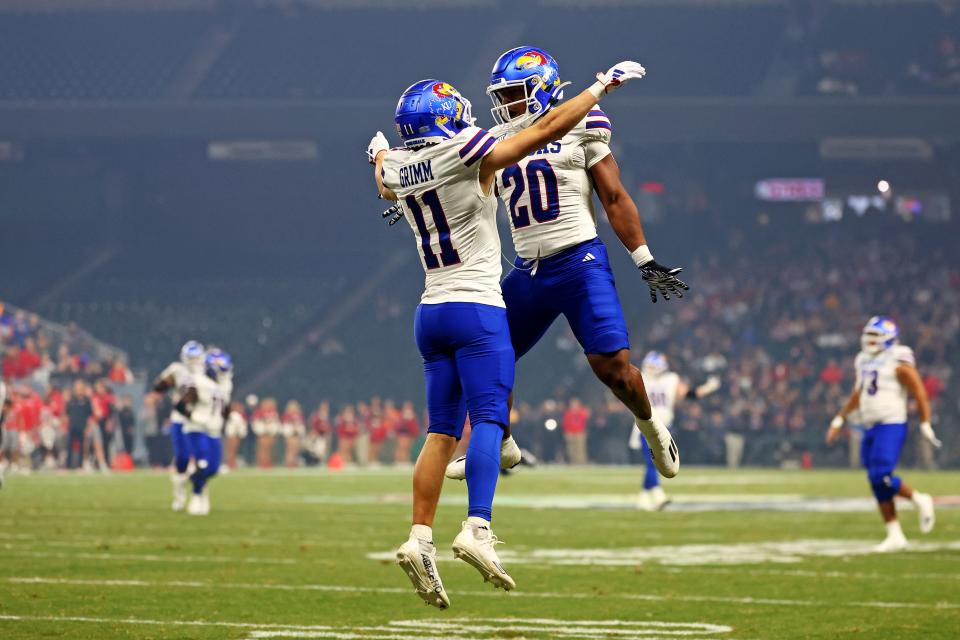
x,y
883,483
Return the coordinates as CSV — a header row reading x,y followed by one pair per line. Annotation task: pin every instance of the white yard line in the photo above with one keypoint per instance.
x,y
494,594
146,557
802,573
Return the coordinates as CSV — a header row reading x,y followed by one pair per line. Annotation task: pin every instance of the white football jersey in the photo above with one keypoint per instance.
x,y
454,223
662,392
883,400
549,195
182,380
207,412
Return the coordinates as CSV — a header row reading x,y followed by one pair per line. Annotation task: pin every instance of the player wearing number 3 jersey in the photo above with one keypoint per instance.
x,y
443,180
885,375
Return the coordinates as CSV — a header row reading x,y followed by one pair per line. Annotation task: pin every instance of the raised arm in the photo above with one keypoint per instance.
x,y
556,123
376,150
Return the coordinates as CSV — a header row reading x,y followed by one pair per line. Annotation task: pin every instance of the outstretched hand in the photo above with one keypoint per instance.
x,y
662,280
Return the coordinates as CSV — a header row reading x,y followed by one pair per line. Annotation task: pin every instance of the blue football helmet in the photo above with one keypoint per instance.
x,y
880,333
539,75
218,363
654,363
191,354
431,111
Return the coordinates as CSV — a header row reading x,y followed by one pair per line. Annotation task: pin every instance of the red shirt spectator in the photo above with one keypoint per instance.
x,y
408,425
320,422
832,373
575,418
30,360
934,386
13,368
348,428
55,402
119,373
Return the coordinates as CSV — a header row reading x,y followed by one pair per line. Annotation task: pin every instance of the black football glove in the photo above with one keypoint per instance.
x,y
662,280
394,214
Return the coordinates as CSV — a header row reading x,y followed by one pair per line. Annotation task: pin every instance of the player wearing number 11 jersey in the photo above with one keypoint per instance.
x,y
443,180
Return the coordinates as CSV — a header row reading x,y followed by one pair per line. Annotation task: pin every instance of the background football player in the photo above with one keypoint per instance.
x,y
885,376
205,405
562,266
444,180
177,377
664,388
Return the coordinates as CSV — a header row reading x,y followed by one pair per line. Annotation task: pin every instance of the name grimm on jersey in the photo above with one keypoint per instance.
x,y
416,173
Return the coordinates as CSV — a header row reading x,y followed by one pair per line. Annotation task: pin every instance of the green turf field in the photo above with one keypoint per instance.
x,y
745,555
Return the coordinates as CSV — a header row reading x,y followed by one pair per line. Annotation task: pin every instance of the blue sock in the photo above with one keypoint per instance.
x,y
483,468
651,479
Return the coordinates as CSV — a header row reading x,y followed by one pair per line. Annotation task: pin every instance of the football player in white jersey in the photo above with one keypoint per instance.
x,y
885,375
664,388
177,378
562,266
443,180
205,406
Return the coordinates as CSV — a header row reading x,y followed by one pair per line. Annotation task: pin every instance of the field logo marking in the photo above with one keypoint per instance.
x,y
434,629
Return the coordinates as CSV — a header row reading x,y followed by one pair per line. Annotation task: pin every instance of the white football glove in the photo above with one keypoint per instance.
x,y
926,430
618,75
377,144
711,385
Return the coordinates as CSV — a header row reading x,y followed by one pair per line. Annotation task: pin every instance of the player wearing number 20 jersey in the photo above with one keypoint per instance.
x,y
562,266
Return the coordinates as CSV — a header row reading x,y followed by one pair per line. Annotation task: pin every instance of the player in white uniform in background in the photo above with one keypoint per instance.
x,y
205,405
177,378
562,266
664,388
885,375
443,180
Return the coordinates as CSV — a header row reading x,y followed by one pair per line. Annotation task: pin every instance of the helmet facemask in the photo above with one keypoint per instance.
x,y
536,100
873,342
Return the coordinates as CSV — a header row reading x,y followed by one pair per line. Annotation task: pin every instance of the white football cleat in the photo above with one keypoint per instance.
x,y
510,456
663,449
197,506
418,559
179,491
645,501
893,542
924,505
474,545
653,499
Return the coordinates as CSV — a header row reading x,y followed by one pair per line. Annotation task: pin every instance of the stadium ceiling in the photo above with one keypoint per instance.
x,y
643,120
173,5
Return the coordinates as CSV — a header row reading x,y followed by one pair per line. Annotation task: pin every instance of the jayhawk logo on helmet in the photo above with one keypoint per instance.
x,y
444,90
531,59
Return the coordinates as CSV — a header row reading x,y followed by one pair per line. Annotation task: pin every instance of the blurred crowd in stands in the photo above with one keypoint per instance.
x,y
68,395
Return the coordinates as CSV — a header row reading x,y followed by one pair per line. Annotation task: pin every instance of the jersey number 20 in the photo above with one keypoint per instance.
x,y
448,254
520,214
